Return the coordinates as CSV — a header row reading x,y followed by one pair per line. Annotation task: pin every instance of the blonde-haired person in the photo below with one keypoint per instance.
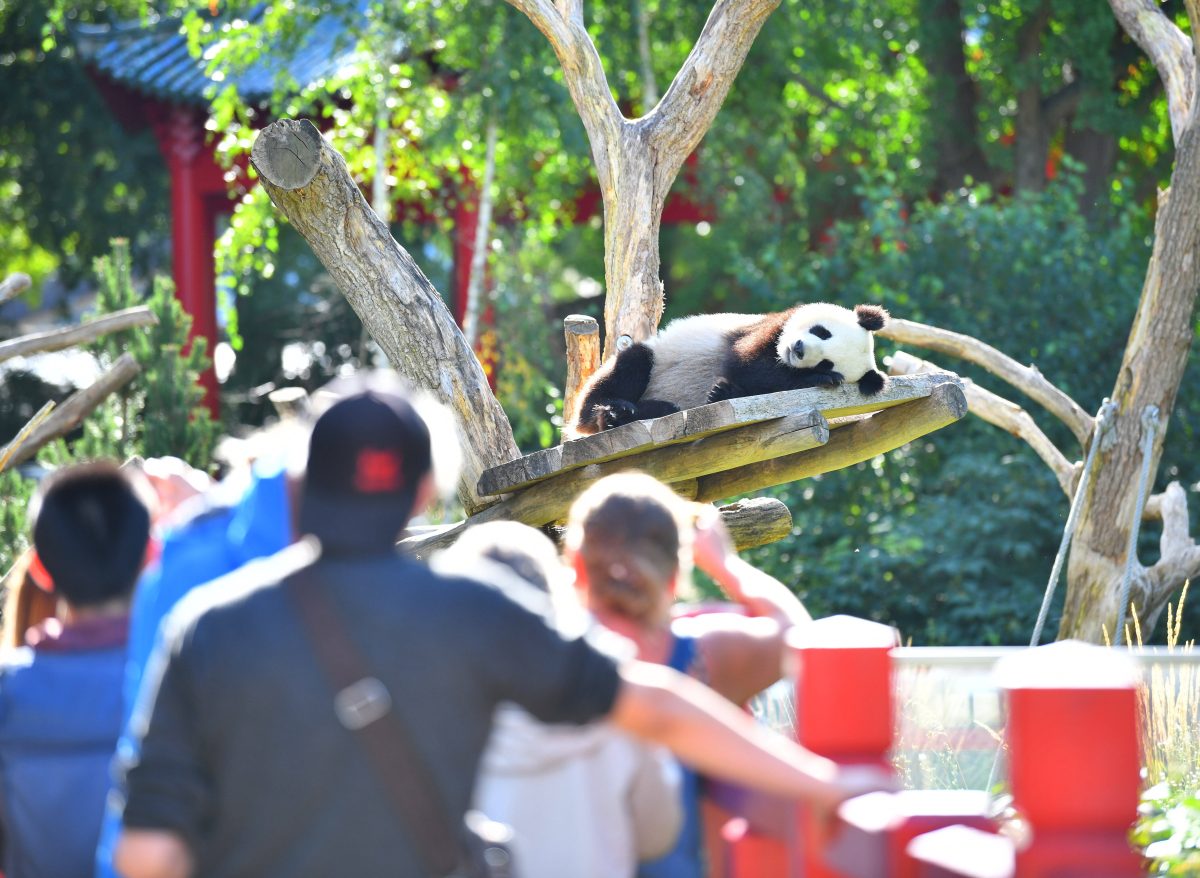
x,y
586,801
631,542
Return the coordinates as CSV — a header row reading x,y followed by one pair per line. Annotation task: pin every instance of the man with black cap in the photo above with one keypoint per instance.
x,y
60,697
285,696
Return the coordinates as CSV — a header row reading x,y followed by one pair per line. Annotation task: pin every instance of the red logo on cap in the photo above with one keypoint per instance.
x,y
377,472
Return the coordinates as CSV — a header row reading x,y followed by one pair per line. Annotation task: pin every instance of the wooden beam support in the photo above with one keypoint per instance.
x,y
703,420
847,446
549,500
583,359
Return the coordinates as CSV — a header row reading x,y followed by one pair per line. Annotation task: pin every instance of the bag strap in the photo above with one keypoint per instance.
x,y
364,706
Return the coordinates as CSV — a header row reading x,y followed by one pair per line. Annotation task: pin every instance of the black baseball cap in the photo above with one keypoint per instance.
x,y
367,456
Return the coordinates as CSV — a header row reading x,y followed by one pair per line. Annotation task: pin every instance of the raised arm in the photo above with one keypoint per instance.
x,y
760,593
704,730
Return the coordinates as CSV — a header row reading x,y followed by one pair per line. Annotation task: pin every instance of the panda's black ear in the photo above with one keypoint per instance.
x,y
871,383
871,317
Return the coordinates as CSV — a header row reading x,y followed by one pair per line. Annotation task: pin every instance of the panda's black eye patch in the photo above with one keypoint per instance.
x,y
820,331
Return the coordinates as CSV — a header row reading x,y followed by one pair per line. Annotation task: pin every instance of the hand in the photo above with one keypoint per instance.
x,y
711,545
174,481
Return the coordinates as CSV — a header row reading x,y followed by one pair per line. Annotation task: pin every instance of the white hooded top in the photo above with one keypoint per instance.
x,y
585,801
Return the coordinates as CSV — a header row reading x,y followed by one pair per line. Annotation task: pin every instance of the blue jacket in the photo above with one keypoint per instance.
x,y
233,525
60,713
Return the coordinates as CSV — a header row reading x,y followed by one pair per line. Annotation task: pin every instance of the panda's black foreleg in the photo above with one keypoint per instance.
x,y
612,396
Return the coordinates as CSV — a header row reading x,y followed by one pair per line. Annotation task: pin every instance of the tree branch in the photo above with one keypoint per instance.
x,y
13,285
583,74
308,181
1168,48
1179,556
1027,379
71,412
1002,413
58,339
686,111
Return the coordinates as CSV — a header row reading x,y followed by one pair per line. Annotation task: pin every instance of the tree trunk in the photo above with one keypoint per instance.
x,y
632,263
308,181
1032,132
1151,371
956,150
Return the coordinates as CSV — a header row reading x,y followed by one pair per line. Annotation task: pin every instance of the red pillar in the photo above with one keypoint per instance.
x,y
1075,771
193,231
844,706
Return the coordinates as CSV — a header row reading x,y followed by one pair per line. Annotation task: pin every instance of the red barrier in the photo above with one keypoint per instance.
x,y
844,710
1074,770
748,853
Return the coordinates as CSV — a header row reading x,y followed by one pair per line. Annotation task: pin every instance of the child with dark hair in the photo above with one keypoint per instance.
x,y
60,696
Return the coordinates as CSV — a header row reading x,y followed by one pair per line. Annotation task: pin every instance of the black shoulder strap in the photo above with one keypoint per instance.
x,y
364,706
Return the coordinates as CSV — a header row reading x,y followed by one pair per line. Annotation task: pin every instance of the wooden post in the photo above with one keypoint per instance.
x,y
844,707
583,358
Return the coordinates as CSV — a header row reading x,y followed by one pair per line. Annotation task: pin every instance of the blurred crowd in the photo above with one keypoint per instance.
x,y
249,678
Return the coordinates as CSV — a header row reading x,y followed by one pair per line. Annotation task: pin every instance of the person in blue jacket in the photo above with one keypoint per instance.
x,y
239,520
60,695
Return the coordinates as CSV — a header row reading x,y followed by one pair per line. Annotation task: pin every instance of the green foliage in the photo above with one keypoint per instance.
x,y
70,177
952,538
161,412
1168,830
15,491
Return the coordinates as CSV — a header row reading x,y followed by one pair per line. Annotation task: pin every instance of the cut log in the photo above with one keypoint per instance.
x,y
847,446
7,452
583,359
71,412
309,182
59,339
756,521
693,423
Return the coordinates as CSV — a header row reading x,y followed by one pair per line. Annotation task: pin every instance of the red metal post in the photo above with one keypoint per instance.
x,y
844,708
750,854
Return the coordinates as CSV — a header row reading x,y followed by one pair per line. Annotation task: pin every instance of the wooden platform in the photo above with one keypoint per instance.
x,y
721,450
696,423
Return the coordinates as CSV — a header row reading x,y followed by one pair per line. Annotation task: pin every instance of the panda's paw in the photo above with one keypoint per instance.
x,y
827,379
616,412
724,389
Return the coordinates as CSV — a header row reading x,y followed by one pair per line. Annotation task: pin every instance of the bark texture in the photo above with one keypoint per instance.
x,y
637,159
1151,368
308,181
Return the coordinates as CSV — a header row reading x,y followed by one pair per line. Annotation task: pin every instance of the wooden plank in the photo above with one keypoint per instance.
x,y
848,445
549,499
702,421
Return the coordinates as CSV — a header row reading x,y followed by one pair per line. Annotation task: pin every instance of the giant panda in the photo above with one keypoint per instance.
x,y
711,357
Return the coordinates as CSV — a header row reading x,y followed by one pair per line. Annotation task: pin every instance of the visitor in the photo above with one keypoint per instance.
x,y
61,694
258,758
631,542
211,530
585,801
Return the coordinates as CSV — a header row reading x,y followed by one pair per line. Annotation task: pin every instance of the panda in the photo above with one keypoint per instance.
x,y
711,357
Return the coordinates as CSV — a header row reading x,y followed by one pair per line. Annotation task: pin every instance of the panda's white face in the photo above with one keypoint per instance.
x,y
827,337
